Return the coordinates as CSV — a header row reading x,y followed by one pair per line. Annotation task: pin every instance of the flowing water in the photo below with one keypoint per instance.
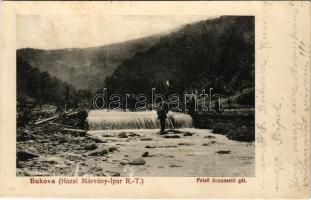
x,y
117,120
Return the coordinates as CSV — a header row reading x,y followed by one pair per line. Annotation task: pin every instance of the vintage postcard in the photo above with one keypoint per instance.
x,y
163,99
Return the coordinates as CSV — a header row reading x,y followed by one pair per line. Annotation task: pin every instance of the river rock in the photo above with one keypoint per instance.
x,y
122,135
112,149
176,131
113,174
168,146
98,152
209,137
137,161
175,165
96,168
91,146
146,154
188,134
150,146
51,160
185,144
131,134
124,162
107,135
101,174
146,139
209,143
24,155
223,152
171,136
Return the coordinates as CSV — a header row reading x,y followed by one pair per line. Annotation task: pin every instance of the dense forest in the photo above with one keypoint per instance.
x,y
217,53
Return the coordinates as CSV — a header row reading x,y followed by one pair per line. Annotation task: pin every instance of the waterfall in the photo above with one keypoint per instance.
x,y
103,119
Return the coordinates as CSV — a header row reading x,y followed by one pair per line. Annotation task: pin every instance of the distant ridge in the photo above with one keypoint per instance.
x,y
85,68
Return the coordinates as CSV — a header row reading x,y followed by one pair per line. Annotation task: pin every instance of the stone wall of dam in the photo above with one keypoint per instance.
x,y
236,126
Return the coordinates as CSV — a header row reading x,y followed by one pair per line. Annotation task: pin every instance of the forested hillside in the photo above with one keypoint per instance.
x,y
217,53
41,88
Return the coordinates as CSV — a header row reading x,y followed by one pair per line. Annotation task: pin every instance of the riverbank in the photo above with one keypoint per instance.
x,y
183,152
235,124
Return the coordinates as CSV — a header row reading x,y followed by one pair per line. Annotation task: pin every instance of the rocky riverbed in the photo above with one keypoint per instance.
x,y
183,152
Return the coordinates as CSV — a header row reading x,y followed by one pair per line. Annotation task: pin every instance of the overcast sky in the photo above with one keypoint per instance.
x,y
56,32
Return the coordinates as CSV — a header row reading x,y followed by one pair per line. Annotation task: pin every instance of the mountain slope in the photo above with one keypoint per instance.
x,y
85,68
217,53
40,87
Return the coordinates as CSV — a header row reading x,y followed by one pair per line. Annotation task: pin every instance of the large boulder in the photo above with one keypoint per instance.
x,y
137,161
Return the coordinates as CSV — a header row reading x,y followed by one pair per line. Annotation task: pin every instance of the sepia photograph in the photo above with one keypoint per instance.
x,y
172,97
155,99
